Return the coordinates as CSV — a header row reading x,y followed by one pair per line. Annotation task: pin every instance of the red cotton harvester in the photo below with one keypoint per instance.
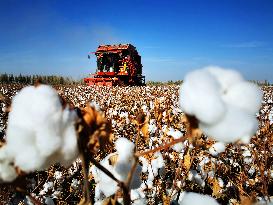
x,y
117,65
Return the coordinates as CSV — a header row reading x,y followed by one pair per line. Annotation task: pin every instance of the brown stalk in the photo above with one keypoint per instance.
x,y
165,146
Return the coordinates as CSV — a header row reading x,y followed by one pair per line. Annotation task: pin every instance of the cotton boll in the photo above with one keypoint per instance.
x,y
7,171
145,164
227,112
191,198
244,95
134,194
140,201
225,77
176,134
30,159
47,142
95,105
124,148
105,183
120,169
39,131
232,127
200,96
157,164
69,147
124,163
217,148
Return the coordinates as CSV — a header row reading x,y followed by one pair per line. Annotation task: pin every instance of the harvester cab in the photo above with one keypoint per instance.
x,y
117,65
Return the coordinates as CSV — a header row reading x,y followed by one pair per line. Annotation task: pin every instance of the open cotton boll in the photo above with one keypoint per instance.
x,y
224,104
244,95
217,148
69,149
125,149
200,96
120,169
176,134
157,164
95,105
7,171
39,131
104,183
235,125
192,198
226,77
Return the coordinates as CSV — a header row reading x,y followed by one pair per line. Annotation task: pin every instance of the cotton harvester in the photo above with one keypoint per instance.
x,y
117,65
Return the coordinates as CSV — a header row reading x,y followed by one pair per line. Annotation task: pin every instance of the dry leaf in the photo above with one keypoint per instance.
x,y
246,200
94,128
187,161
216,189
145,130
166,199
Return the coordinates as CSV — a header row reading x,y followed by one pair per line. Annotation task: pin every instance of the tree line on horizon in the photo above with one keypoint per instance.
x,y
31,79
170,82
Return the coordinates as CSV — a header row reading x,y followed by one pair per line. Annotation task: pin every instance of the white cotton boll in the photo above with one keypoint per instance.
x,y
227,93
178,147
39,131
200,96
145,164
120,169
125,148
217,148
157,164
7,170
123,168
226,77
134,194
244,95
140,201
152,127
235,125
105,183
98,194
176,134
149,184
69,147
30,159
151,175
95,105
196,177
191,198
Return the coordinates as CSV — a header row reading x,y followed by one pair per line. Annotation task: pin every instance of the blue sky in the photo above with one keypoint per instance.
x,y
173,37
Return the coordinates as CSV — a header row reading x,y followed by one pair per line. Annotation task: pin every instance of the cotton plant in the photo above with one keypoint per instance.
x,y
223,103
40,132
153,168
119,164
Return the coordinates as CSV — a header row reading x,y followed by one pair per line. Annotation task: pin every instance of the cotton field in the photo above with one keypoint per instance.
x,y
152,142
